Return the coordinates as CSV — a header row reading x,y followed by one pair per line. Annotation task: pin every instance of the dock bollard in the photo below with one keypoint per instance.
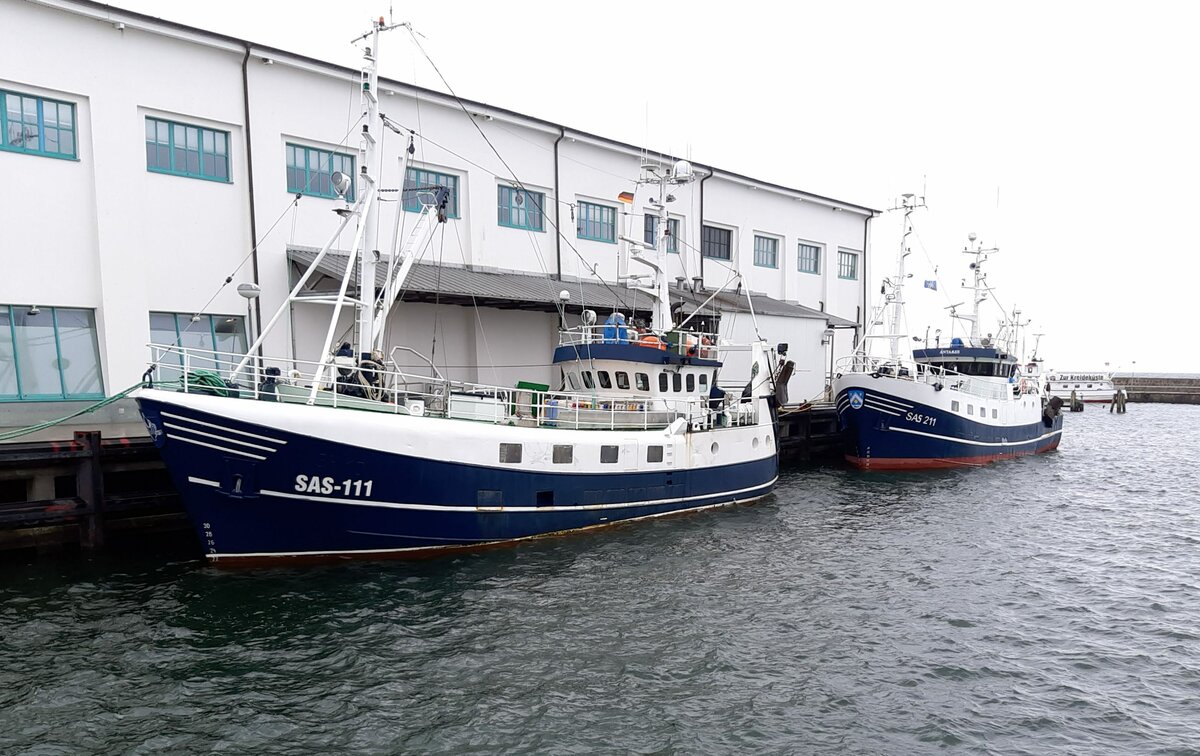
x,y
1118,403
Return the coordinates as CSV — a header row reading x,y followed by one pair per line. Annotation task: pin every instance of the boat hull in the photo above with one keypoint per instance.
x,y
891,424
256,491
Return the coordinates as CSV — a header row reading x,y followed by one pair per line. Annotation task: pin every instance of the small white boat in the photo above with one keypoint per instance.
x,y
1094,387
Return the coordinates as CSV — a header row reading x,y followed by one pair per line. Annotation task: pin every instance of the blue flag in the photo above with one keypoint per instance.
x,y
931,284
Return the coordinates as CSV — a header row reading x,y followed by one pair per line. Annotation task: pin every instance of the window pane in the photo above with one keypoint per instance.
x,y
8,364
37,353
198,336
80,359
231,339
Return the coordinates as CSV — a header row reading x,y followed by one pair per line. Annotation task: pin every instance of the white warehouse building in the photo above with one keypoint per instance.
x,y
128,200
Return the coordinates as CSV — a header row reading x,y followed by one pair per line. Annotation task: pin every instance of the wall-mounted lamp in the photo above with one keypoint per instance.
x,y
119,26
34,310
827,337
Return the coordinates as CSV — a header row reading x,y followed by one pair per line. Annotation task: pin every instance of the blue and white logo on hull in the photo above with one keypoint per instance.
x,y
856,398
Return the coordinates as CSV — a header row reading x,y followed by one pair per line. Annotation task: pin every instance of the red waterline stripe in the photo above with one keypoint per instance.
x,y
936,463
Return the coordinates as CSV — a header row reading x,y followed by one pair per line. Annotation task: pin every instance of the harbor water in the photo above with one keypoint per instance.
x,y
1045,605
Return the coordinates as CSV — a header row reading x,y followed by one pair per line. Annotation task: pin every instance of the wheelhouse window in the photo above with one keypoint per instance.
x,y
808,258
691,382
847,265
662,382
510,454
587,379
309,171
641,381
766,251
48,354
676,382
597,222
622,380
651,233
37,125
521,208
181,149
214,342
605,380
716,242
420,187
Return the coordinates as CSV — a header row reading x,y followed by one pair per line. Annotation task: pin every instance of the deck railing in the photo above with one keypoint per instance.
x,y
379,387
920,372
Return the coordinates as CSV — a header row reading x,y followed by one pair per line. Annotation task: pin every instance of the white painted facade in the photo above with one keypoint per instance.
x,y
102,232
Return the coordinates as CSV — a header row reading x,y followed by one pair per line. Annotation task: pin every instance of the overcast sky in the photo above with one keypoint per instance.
x,y
1066,133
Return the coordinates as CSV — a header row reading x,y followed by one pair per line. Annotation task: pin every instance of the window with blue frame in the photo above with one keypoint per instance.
x,y
182,150
48,354
520,208
420,186
213,342
651,232
716,242
597,222
37,125
309,170
847,264
808,258
766,251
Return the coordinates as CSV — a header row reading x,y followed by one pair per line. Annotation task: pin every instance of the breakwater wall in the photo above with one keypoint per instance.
x,y
1160,388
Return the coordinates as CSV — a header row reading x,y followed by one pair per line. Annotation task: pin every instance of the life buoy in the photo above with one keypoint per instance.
x,y
653,342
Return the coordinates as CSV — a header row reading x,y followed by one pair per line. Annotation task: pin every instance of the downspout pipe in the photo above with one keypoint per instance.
x,y
562,132
862,320
700,246
250,183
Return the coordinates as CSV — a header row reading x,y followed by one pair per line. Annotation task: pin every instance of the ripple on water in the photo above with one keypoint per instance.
x,y
1047,605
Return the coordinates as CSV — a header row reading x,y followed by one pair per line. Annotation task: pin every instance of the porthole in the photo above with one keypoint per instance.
x,y
715,447
768,439
754,443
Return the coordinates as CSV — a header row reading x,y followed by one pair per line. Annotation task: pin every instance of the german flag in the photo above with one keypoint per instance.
x,y
626,197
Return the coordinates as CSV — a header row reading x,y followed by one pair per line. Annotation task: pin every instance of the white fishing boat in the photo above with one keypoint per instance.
x,y
1093,387
351,455
968,404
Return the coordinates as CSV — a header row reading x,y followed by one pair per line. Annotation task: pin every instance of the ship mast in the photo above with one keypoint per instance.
x,y
369,172
678,174
979,288
909,202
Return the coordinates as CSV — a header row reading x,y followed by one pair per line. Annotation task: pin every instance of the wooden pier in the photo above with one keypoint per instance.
x,y
809,433
83,493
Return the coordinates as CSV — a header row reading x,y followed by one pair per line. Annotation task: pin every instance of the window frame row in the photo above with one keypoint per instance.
x,y
66,365
36,121
206,146
564,454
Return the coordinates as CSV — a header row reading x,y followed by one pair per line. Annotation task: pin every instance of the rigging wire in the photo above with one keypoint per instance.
x,y
503,162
